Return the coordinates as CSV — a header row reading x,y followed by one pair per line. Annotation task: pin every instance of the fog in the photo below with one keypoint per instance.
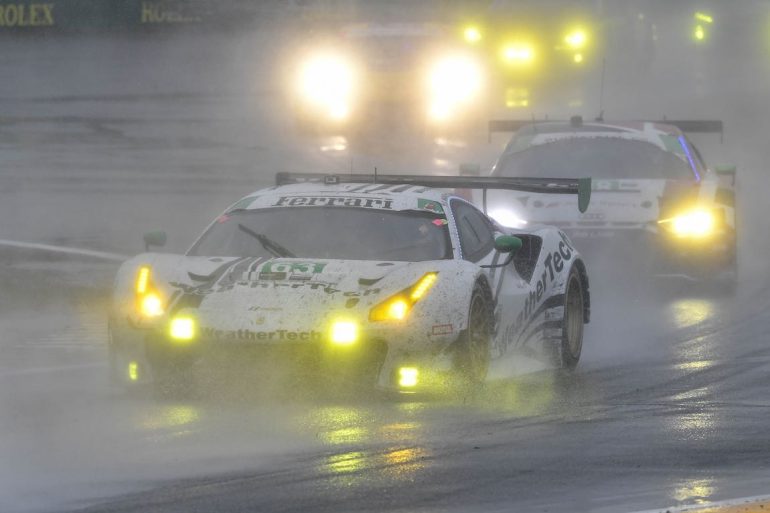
x,y
107,134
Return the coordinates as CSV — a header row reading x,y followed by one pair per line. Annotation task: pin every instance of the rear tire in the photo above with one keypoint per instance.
x,y
573,321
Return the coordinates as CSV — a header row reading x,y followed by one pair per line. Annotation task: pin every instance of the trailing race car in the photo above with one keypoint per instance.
x,y
393,282
652,191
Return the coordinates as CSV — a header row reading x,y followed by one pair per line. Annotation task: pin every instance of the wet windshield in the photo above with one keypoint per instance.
x,y
337,233
595,157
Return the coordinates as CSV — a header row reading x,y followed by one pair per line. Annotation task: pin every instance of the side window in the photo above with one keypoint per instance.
x,y
476,235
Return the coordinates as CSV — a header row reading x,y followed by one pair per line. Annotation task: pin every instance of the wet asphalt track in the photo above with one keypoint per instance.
x,y
669,405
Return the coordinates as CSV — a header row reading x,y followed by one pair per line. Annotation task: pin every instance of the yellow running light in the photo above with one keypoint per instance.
x,y
344,333
142,279
182,329
425,283
702,16
397,307
133,371
700,33
408,377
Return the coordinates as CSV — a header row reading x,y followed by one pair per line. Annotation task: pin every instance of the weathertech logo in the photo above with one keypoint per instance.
x,y
262,336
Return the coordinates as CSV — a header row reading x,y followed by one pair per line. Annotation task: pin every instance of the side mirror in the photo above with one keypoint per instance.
x,y
154,239
506,244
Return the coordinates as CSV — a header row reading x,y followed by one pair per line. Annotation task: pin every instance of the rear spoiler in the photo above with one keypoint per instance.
x,y
694,126
579,186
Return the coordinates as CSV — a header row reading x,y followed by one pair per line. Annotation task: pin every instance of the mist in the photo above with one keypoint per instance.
x,y
110,131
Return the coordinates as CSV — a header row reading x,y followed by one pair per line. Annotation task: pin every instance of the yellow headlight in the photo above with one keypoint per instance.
x,y
344,333
518,53
408,377
576,39
472,34
150,305
397,307
696,223
182,329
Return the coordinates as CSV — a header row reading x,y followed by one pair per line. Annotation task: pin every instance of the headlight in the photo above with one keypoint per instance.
x,y
182,329
344,333
696,223
150,305
396,307
508,218
518,53
149,302
326,83
453,82
472,34
576,39
408,377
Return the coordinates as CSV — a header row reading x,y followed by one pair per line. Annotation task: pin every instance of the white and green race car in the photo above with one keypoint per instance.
x,y
393,283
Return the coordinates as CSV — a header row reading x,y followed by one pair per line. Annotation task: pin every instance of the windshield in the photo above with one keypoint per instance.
x,y
335,233
599,158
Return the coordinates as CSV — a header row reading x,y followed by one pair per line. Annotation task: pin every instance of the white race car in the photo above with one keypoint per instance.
x,y
655,201
393,282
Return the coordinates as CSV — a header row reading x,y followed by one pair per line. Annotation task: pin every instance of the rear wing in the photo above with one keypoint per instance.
x,y
693,126
579,186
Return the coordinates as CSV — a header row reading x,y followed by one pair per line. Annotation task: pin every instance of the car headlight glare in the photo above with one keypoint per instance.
x,y
453,82
695,223
344,333
472,34
518,53
150,305
577,39
408,377
182,329
327,82
397,307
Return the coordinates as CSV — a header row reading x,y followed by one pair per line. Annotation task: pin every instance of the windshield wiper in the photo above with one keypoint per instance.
x,y
268,243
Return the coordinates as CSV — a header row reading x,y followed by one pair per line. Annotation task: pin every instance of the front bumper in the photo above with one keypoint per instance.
x,y
140,355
